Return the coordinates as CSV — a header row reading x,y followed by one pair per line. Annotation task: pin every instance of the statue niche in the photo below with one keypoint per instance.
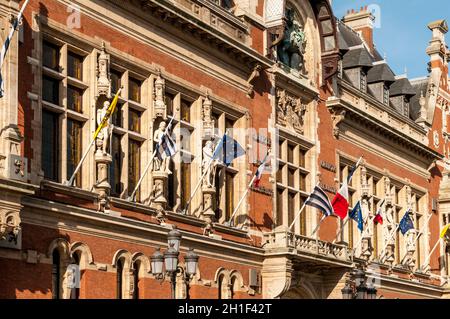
x,y
291,43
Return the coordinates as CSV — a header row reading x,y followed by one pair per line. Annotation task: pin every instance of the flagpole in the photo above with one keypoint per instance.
x,y
203,175
318,225
341,228
427,260
370,222
97,131
11,33
133,194
241,201
356,167
299,214
388,241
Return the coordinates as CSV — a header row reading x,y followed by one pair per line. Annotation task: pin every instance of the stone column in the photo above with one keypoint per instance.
x,y
103,188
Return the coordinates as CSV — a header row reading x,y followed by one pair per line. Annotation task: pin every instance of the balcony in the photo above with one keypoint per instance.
x,y
305,250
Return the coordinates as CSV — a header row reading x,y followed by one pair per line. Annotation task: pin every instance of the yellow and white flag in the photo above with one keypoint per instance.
x,y
108,114
444,230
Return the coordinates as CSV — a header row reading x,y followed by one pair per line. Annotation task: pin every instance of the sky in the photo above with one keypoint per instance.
x,y
402,34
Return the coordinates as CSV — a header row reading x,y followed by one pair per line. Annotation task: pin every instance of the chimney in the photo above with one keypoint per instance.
x,y
362,23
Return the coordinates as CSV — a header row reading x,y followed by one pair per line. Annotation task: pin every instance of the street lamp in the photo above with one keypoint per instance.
x,y
170,260
357,288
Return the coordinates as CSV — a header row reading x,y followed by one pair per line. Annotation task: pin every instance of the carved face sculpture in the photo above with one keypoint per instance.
x,y
162,126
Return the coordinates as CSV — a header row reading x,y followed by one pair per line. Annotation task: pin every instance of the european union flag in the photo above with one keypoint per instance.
x,y
228,150
406,223
356,215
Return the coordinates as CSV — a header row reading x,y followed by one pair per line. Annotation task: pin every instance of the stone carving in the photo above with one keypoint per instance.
x,y
210,176
291,43
290,111
255,74
159,108
103,81
208,122
9,225
158,164
337,116
103,136
409,260
366,240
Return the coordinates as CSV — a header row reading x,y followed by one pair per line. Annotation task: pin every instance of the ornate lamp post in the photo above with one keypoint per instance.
x,y
357,288
169,261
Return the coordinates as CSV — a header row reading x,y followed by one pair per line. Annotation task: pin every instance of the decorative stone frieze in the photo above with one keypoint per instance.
x,y
290,111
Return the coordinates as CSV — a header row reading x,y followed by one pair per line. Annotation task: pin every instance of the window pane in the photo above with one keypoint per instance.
x,y
134,123
50,145
302,158
134,159
117,117
291,207
303,182
115,169
74,99
115,81
280,207
50,56
169,103
75,66
291,177
291,153
185,184
185,111
229,200
302,218
73,149
280,174
134,90
50,90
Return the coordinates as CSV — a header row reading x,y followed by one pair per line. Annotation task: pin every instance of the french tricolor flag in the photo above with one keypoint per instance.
x,y
340,202
265,166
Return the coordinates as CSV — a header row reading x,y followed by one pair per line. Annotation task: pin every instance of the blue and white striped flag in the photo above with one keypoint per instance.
x,y
166,147
5,46
319,200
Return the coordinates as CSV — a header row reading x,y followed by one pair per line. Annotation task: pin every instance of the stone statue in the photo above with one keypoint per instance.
x,y
410,259
158,165
210,176
103,81
105,132
291,43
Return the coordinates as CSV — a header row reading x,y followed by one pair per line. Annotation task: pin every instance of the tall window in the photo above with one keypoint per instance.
x,y
62,118
292,177
134,90
115,169
386,95
50,145
74,141
134,159
363,81
119,279
56,275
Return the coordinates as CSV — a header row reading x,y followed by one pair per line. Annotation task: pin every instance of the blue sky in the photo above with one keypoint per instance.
x,y
403,34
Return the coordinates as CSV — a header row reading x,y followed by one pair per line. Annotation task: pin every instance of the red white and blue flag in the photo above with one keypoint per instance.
x,y
264,167
341,200
378,219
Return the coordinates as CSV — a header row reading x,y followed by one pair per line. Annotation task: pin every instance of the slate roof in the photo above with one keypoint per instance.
x,y
380,73
356,58
402,87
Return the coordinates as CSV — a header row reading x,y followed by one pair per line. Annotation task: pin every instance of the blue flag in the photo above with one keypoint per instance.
x,y
228,150
356,215
406,223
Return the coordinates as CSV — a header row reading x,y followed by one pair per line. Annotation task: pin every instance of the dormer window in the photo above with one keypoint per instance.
x,y
385,95
363,81
406,107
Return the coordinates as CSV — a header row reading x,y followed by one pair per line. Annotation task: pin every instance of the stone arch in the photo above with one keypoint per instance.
x,y
86,258
145,263
65,259
236,280
126,255
62,245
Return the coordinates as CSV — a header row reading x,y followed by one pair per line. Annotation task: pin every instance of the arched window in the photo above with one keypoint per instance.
x,y
220,286
136,269
75,292
56,274
119,278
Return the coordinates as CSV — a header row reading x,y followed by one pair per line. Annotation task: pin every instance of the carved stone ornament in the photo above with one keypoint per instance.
x,y
337,116
103,80
290,111
208,122
159,105
253,76
9,225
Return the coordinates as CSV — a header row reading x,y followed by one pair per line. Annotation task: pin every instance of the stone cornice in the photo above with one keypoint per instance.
x,y
353,112
38,212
